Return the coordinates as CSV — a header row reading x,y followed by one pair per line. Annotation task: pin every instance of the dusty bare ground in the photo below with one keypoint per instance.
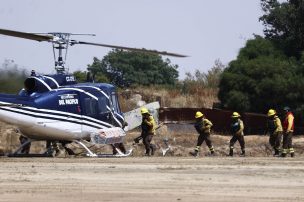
x,y
175,177
152,179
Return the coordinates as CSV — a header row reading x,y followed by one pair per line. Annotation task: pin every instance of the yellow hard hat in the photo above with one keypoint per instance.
x,y
144,110
198,114
235,115
271,112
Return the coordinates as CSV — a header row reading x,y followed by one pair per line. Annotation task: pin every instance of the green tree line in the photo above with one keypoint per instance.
x,y
127,68
11,77
269,71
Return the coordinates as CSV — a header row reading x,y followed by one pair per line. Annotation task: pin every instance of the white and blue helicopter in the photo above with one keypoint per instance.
x,y
57,109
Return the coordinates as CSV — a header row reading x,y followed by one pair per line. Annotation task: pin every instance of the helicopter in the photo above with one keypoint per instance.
x,y
57,109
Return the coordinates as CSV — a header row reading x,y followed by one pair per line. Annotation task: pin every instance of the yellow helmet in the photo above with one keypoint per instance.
x,y
198,114
235,115
271,112
144,110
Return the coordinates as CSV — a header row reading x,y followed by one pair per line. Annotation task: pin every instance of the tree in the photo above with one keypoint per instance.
x,y
261,77
201,80
269,72
80,76
284,25
125,68
11,77
84,76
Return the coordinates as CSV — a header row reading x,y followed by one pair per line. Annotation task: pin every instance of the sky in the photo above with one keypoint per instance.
x,y
205,30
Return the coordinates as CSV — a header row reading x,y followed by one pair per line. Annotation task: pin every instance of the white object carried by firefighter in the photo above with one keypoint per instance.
x,y
134,118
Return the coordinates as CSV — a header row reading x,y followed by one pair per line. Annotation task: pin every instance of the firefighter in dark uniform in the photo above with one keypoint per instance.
x,y
148,130
25,149
288,126
237,128
275,129
203,127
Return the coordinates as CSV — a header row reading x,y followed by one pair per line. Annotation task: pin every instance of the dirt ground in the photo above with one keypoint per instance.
x,y
152,179
175,177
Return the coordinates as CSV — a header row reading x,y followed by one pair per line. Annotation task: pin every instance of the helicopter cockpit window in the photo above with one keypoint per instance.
x,y
115,102
102,105
90,106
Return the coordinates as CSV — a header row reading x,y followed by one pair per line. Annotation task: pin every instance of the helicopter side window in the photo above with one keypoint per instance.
x,y
102,105
90,106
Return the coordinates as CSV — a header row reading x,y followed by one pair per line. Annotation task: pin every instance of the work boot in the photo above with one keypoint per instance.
x,y
291,151
243,153
211,149
231,152
276,153
194,153
283,155
153,147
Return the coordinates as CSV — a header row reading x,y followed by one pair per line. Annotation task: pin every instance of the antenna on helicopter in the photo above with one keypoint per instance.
x,y
61,42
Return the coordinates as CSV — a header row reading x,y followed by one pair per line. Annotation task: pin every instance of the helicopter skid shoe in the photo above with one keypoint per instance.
x,y
118,155
92,154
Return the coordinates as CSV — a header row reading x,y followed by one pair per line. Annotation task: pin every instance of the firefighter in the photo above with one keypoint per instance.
x,y
275,129
203,127
148,130
237,128
26,148
288,126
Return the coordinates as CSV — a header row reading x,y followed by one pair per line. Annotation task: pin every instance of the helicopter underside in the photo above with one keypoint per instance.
x,y
41,124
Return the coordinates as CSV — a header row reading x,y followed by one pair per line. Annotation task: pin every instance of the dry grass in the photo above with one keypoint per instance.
x,y
195,98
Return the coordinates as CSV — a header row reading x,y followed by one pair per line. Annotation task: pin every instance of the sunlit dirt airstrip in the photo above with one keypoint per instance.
x,y
175,177
152,179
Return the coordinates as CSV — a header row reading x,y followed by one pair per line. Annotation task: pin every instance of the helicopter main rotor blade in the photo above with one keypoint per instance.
x,y
128,48
25,35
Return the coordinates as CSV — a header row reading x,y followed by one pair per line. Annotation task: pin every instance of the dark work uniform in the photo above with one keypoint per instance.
x,y
275,129
25,149
237,128
148,130
203,127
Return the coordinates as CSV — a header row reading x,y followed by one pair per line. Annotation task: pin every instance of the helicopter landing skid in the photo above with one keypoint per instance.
x,y
118,155
92,154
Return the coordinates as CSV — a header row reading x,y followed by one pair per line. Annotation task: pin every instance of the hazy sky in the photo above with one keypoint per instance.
x,y
203,29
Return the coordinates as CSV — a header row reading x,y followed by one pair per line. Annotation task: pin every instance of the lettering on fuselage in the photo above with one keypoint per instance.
x,y
68,99
70,78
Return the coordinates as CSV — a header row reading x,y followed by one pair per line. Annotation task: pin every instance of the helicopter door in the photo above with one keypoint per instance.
x,y
97,109
70,103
